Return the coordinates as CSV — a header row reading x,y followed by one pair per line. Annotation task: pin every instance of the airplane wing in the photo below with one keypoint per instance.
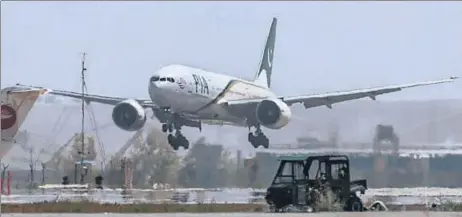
x,y
327,99
188,120
94,98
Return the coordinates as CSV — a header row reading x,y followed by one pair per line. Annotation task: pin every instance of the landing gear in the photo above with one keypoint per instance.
x,y
167,127
258,138
172,123
178,140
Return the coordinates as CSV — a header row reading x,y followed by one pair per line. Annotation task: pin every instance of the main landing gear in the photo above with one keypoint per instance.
x,y
177,139
258,138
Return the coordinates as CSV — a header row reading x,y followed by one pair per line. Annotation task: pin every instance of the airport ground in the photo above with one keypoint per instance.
x,y
89,207
365,214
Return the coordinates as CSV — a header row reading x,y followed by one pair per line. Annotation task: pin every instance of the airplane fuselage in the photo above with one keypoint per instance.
x,y
197,92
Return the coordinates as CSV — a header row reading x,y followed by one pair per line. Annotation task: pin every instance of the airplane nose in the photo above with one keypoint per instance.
x,y
154,87
152,84
154,78
159,87
153,81
157,91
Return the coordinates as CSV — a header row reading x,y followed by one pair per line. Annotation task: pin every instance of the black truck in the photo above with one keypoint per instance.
x,y
303,182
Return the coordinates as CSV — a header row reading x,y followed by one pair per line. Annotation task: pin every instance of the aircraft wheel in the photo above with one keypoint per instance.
x,y
175,147
265,142
185,144
253,140
164,128
173,142
262,140
170,139
251,137
182,141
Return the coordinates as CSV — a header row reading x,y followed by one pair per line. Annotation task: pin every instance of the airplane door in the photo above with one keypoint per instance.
x,y
191,91
190,86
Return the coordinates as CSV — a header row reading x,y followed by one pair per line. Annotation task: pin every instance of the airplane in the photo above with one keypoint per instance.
x,y
16,105
181,95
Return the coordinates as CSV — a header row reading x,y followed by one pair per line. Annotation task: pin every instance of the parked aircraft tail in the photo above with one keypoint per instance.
x,y
16,105
263,76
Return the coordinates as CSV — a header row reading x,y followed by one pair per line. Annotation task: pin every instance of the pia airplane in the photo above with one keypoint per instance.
x,y
185,96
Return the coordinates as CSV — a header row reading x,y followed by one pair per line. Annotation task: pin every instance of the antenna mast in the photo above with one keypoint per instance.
x,y
83,120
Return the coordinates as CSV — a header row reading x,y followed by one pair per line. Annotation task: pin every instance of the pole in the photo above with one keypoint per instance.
x,y
1,154
9,183
83,119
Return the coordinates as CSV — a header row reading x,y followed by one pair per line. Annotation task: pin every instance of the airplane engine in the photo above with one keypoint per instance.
x,y
273,113
129,115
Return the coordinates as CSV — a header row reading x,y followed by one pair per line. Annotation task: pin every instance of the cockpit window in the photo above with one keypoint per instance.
x,y
162,79
171,80
154,78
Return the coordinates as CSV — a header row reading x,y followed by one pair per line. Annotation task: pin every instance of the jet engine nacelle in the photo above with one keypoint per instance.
x,y
273,113
129,115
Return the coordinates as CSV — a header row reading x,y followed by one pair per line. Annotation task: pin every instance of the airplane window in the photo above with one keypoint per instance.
x,y
162,79
171,80
154,78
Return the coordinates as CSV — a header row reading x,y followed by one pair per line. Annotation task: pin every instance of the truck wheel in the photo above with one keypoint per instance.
x,y
354,204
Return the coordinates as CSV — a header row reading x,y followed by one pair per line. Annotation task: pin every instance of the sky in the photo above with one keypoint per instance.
x,y
320,46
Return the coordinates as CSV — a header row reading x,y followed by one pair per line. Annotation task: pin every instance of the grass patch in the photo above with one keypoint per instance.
x,y
326,205
90,207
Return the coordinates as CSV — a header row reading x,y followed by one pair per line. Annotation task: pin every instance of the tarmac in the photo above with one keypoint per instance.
x,y
364,214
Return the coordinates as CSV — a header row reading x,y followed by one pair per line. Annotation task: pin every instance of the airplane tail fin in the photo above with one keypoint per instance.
x,y
263,76
16,105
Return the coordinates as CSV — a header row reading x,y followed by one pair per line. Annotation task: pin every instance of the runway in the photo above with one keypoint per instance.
x,y
402,196
364,214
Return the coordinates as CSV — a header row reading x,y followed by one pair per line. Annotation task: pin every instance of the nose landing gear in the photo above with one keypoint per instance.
x,y
167,127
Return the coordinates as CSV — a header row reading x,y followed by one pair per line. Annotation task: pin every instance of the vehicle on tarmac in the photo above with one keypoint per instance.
x,y
302,182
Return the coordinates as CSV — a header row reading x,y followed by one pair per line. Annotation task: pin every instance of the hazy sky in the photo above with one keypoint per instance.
x,y
321,46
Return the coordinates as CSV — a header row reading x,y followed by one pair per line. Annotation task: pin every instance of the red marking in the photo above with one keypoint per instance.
x,y
8,184
8,117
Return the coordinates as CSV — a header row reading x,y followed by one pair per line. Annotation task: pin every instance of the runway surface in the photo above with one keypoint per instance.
x,y
229,195
365,214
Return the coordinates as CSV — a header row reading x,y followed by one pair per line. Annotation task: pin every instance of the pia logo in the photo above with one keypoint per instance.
x,y
181,83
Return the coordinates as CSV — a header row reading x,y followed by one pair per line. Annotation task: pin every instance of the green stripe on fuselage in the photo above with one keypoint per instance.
x,y
223,93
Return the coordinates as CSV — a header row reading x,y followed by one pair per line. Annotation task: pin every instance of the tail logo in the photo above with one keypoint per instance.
x,y
8,117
